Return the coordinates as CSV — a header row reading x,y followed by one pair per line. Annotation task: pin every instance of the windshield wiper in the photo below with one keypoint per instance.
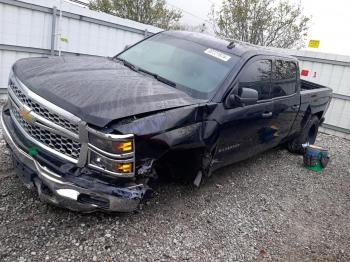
x,y
138,69
128,64
159,78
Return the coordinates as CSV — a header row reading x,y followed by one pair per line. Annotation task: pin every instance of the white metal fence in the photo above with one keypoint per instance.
x,y
29,28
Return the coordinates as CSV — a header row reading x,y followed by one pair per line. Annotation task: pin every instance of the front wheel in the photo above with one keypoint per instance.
x,y
308,135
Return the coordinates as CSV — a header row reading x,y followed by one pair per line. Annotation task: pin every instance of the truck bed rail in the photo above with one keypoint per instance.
x,y
307,85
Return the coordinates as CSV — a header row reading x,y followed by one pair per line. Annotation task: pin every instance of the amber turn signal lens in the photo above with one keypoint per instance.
x,y
123,147
112,146
124,167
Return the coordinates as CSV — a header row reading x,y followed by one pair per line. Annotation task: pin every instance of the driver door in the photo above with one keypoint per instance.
x,y
248,130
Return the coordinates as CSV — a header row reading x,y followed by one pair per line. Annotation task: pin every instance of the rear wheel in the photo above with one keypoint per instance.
x,y
308,135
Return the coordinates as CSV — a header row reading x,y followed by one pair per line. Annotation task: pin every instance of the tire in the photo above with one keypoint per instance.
x,y
308,135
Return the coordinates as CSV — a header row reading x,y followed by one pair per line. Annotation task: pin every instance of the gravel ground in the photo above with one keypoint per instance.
x,y
268,208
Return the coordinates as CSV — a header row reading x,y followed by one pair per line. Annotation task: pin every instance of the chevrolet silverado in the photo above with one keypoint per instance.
x,y
91,133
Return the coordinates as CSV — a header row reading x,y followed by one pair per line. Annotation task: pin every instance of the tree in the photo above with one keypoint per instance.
x,y
152,12
261,22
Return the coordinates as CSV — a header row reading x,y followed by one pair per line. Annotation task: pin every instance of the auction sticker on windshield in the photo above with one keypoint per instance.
x,y
217,54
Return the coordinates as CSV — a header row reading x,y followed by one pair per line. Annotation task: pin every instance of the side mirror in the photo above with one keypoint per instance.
x,y
246,96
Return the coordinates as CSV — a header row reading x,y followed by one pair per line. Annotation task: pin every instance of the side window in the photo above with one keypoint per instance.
x,y
284,82
257,75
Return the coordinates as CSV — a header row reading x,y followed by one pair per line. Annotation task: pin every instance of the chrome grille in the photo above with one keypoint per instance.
x,y
42,111
57,142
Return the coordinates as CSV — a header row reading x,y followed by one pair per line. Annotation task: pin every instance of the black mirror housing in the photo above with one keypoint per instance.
x,y
246,96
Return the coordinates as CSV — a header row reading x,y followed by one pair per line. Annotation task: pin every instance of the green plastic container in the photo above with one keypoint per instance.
x,y
315,158
317,167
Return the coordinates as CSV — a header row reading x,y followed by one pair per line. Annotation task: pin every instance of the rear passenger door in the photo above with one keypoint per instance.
x,y
284,92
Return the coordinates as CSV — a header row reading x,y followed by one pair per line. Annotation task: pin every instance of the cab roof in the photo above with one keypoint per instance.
x,y
239,49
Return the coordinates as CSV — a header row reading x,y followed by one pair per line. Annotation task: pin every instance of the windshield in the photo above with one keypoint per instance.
x,y
198,70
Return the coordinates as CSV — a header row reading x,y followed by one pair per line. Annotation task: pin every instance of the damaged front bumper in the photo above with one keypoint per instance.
x,y
79,193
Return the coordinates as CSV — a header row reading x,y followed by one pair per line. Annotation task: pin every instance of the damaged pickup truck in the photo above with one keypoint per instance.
x,y
90,133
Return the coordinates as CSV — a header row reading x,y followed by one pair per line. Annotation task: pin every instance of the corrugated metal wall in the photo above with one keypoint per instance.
x,y
7,58
26,29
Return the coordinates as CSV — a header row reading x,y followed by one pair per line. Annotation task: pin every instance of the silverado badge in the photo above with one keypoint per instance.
x,y
25,114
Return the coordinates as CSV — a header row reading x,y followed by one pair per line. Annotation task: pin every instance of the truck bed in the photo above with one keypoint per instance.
x,y
315,95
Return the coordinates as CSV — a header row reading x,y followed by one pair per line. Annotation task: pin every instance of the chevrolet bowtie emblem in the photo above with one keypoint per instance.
x,y
25,114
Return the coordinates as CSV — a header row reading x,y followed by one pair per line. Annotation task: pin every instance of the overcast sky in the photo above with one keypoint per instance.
x,y
330,20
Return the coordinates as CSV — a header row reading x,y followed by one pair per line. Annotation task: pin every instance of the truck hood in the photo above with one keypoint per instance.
x,y
97,90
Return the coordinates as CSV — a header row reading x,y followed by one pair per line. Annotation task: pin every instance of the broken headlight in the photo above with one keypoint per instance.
x,y
113,146
109,165
111,153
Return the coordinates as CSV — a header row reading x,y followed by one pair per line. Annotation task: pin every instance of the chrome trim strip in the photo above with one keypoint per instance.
x,y
16,101
111,155
55,128
44,172
114,160
112,137
83,133
59,154
83,156
83,138
124,175
276,98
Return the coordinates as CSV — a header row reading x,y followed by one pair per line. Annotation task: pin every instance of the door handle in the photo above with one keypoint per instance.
x,y
295,106
266,114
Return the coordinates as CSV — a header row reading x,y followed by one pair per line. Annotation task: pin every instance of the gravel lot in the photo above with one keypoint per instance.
x,y
267,208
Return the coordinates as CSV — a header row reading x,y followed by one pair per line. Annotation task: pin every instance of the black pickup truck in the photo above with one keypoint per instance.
x,y
91,133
